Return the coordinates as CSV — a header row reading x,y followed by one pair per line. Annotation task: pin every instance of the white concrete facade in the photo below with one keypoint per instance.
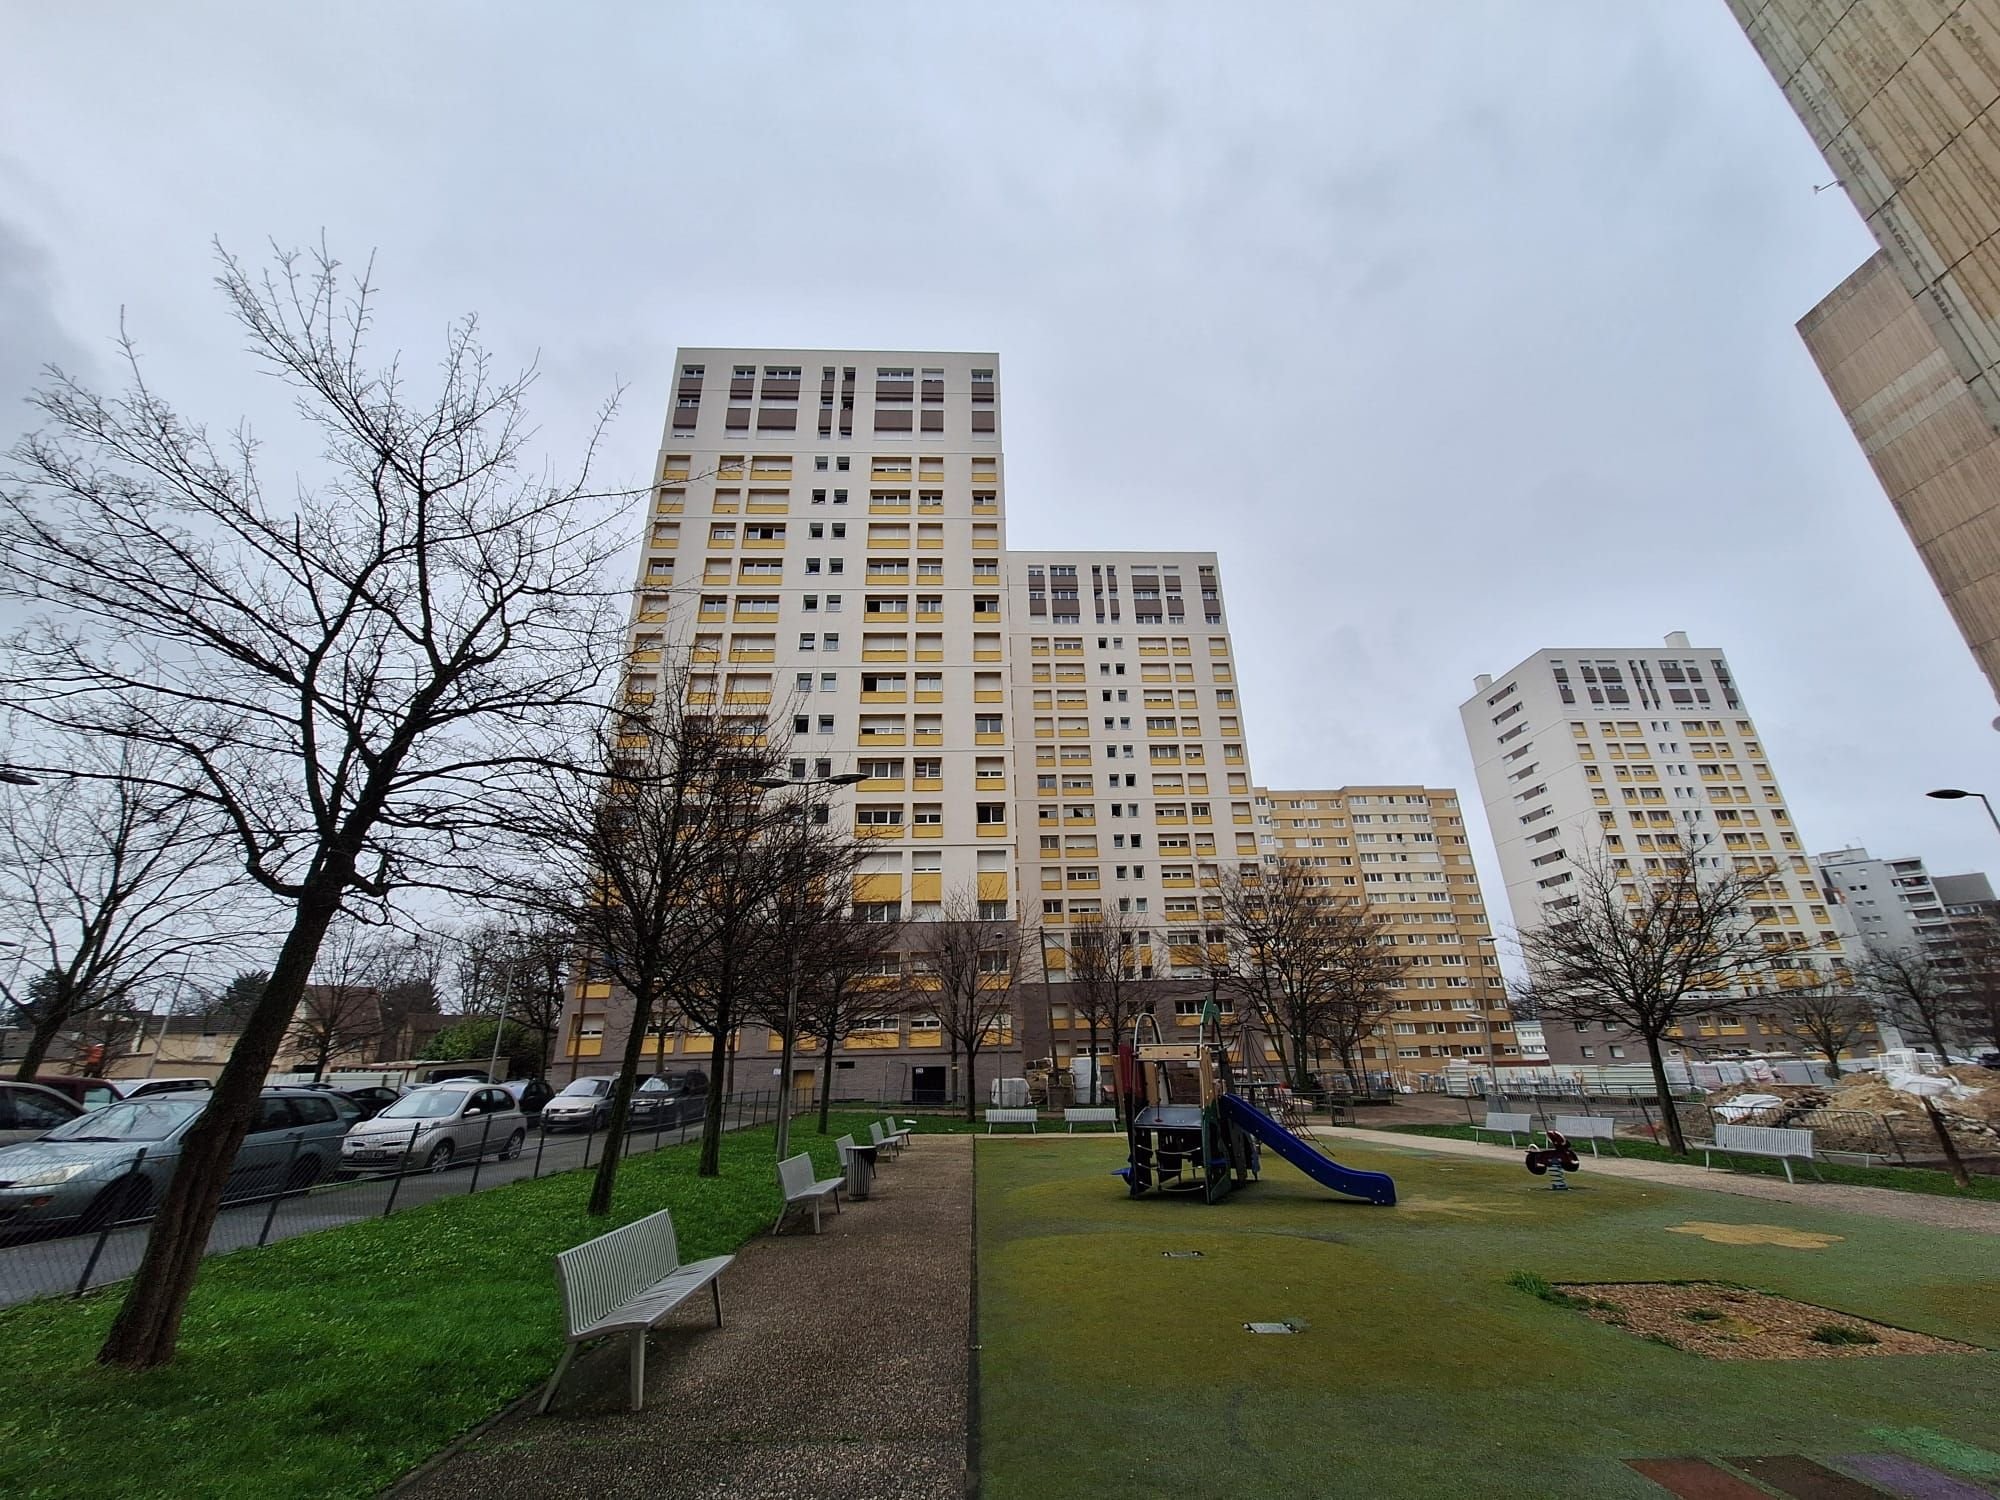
x,y
1133,790
1636,754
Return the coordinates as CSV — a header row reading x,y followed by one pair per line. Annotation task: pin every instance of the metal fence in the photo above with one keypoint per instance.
x,y
1852,1134
92,1228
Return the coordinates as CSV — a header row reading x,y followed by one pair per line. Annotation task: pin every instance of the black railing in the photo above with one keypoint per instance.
x,y
90,1230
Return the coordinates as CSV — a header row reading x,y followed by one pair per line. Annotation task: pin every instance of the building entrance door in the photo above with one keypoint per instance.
x,y
927,1085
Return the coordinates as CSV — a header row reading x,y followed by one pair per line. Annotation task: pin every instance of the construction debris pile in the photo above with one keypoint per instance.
x,y
1968,1098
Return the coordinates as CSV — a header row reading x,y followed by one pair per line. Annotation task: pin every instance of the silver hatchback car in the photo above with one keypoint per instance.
x,y
436,1127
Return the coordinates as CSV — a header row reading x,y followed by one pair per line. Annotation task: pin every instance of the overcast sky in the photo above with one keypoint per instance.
x,y
1458,331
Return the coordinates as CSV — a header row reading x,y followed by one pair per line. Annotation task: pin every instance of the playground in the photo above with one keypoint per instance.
x,y
1426,1346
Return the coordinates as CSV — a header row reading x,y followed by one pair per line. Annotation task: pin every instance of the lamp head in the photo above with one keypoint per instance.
x,y
1948,794
847,778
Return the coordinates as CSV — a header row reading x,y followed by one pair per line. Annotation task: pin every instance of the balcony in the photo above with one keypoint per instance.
x,y
986,653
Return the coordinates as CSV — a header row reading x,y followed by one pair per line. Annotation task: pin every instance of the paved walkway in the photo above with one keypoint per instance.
x,y
1975,1215
840,1371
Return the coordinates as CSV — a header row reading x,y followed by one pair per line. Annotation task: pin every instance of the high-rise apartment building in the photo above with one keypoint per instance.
x,y
1401,852
1131,773
1900,96
1053,735
1640,756
1892,905
827,535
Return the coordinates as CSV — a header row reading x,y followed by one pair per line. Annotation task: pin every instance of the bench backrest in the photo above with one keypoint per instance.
x,y
1012,1116
1497,1121
1584,1127
603,1273
875,1135
1768,1140
1089,1114
843,1144
795,1175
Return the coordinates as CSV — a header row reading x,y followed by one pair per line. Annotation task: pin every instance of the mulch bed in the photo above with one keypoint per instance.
x,y
1727,1322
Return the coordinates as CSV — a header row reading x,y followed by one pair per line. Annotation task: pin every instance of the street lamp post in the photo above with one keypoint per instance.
x,y
1954,794
789,1037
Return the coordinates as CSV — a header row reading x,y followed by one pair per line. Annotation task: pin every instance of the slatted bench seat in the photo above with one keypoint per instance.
x,y
795,1176
626,1282
1513,1124
1088,1114
1786,1145
1026,1117
1592,1128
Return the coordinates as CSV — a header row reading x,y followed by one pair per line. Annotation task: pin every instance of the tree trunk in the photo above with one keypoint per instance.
x,y
1094,1089
1301,1079
621,1108
39,1038
1951,1158
147,1328
826,1075
1670,1115
971,1084
721,1064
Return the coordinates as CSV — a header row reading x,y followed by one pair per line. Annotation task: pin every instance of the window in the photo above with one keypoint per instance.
x,y
992,812
806,639
833,640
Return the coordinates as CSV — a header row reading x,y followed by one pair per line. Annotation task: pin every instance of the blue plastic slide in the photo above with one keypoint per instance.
x,y
1376,1187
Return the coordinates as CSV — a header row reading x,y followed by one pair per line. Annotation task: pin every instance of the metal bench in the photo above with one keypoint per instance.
x,y
1592,1128
1763,1140
1026,1117
882,1140
795,1176
897,1135
625,1282
1513,1124
1089,1114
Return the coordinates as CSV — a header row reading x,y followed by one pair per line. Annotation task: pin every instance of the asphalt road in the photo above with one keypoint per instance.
x,y
47,1268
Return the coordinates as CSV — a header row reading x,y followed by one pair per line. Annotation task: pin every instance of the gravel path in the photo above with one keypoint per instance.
x,y
1884,1203
840,1371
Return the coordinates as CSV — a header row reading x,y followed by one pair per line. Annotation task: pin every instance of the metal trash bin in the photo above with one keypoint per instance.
x,y
860,1172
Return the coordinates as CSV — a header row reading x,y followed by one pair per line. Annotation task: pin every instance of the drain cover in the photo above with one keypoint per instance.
x,y
1181,1254
1270,1328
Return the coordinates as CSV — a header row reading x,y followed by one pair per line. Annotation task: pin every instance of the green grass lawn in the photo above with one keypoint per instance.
x,y
1901,1179
1107,1369
329,1364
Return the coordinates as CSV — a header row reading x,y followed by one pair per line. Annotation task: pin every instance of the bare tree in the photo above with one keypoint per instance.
x,y
1919,994
1101,978
1309,964
1361,974
334,675
1647,951
108,881
1826,1016
807,922
648,854
843,987
342,1009
964,966
540,962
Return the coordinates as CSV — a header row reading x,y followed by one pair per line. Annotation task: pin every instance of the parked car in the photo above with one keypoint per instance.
x,y
456,1074
669,1099
531,1094
138,1088
113,1163
370,1098
28,1111
438,1126
582,1104
89,1092
1989,1059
